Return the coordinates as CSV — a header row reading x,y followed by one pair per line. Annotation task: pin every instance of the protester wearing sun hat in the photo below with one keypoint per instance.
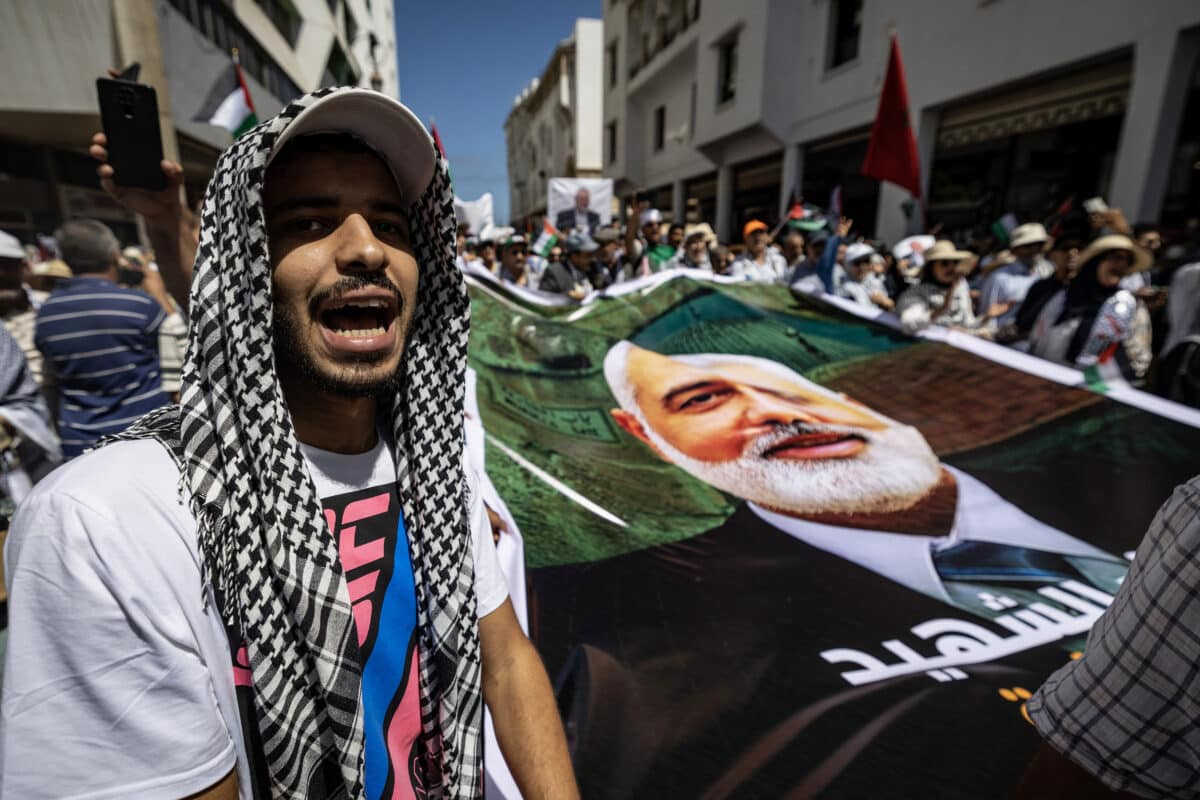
x,y
942,296
1093,315
1007,285
697,240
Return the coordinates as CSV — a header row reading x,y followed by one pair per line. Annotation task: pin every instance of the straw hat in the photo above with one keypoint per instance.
x,y
701,229
1029,233
944,250
56,268
1142,260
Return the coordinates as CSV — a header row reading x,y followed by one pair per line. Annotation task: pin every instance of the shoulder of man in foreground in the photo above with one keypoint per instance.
x,y
1124,714
109,689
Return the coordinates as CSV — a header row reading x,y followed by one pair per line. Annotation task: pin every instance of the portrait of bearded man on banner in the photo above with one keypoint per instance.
x,y
832,473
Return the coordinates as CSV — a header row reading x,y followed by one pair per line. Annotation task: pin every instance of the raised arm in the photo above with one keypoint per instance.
x,y
167,220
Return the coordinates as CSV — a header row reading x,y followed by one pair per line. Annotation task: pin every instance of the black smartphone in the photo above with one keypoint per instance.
x,y
129,114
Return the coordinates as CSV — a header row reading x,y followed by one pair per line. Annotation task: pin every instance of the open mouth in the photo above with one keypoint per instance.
x,y
806,446
358,317
359,321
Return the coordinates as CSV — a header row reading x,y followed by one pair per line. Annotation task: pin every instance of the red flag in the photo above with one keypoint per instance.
x,y
892,151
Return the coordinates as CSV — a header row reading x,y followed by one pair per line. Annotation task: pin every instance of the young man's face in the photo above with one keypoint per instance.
x,y
757,241
513,258
773,437
345,279
675,236
696,248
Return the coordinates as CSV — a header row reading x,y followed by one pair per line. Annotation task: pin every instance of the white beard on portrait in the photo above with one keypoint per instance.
x,y
895,470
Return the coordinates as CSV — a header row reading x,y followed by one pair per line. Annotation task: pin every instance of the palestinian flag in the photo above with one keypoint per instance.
x,y
547,240
228,103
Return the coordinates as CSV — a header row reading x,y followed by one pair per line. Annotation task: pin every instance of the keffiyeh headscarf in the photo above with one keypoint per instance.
x,y
263,541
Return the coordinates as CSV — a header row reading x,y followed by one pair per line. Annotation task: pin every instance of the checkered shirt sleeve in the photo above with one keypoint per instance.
x,y
1128,711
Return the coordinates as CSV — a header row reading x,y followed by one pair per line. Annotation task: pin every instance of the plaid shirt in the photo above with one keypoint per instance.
x,y
1128,711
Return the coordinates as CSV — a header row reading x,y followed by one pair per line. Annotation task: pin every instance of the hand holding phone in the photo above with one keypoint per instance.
x,y
129,114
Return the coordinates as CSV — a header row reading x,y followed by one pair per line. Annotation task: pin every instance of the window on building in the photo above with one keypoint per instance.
x,y
660,126
338,71
610,142
610,56
284,17
845,28
727,71
216,22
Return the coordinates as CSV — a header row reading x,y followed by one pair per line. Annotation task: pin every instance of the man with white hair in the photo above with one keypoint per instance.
x,y
843,478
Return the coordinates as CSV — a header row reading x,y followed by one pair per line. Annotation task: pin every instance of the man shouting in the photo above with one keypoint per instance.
x,y
285,586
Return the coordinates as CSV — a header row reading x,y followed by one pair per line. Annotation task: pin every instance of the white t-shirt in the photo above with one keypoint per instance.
x,y
117,681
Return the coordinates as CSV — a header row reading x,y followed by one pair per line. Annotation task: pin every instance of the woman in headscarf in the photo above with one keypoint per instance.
x,y
1093,318
942,296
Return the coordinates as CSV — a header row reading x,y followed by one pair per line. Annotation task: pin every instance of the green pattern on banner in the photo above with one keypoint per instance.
x,y
542,392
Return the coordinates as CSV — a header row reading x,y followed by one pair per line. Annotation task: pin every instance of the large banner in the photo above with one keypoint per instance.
x,y
579,203
476,213
775,550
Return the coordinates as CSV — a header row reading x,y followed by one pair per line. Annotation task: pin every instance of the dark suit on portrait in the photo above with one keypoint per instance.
x,y
692,669
566,221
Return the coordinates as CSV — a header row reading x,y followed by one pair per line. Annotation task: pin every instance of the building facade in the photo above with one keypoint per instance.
x,y
53,50
554,129
723,111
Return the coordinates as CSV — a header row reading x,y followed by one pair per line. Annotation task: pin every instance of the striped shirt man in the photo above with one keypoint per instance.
x,y
101,341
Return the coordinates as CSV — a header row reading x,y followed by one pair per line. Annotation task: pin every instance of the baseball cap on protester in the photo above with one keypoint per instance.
x,y
387,126
651,216
858,250
581,243
752,226
514,239
10,246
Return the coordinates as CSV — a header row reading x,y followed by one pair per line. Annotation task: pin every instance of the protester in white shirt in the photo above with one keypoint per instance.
x,y
283,586
759,262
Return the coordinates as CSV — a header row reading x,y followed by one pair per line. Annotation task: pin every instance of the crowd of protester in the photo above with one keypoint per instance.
x,y
93,339
1099,292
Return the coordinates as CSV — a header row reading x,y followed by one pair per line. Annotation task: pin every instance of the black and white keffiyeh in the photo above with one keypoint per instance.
x,y
264,544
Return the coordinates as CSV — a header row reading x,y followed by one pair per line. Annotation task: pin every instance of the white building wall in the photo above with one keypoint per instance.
x,y
787,98
555,128
589,87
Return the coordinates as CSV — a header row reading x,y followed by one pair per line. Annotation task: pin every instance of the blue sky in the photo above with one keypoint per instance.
x,y
461,65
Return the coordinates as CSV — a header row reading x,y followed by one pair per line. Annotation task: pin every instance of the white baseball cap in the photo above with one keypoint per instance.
x,y
651,216
10,246
386,125
858,250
